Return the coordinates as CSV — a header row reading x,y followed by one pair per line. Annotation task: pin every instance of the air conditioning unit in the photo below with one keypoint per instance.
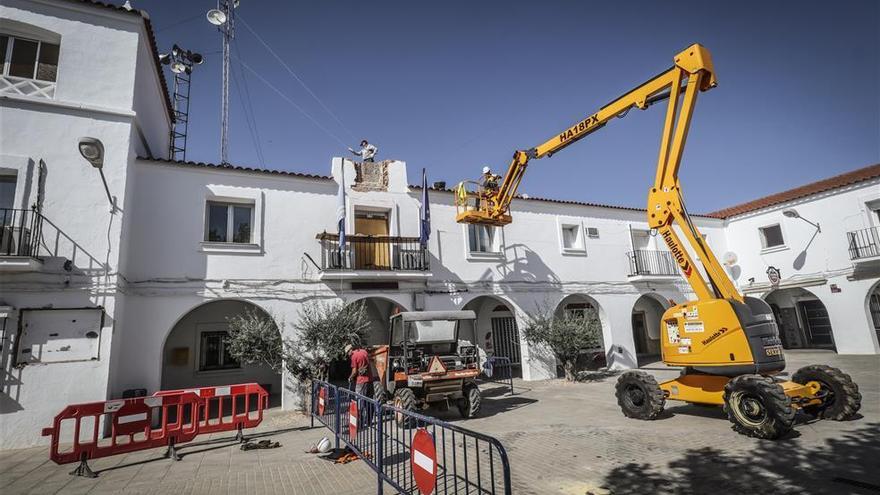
x,y
15,241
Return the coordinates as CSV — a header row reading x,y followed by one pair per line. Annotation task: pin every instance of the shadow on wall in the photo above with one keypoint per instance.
x,y
522,264
846,464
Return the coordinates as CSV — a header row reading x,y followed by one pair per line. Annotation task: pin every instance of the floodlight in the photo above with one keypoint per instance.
x,y
216,17
178,67
164,58
197,58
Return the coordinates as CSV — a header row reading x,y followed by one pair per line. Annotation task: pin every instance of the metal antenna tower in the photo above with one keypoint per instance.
x,y
224,18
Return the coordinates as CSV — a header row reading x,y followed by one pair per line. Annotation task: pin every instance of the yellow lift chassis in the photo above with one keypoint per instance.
x,y
727,345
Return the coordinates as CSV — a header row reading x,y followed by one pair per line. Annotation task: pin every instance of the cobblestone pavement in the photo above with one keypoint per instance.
x,y
562,438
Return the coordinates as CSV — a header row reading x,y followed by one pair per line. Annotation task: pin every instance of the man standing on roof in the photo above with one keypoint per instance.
x,y
367,151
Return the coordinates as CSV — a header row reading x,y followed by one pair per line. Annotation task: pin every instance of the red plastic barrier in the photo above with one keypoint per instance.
x,y
131,426
228,407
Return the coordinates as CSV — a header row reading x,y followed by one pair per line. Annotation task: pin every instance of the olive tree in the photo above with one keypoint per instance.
x,y
255,339
565,333
323,331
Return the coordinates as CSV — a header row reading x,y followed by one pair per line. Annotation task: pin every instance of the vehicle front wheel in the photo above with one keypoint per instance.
x,y
758,407
405,399
841,399
469,405
639,395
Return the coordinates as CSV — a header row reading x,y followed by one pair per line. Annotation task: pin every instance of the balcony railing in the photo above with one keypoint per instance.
x,y
648,262
21,232
21,86
864,243
362,252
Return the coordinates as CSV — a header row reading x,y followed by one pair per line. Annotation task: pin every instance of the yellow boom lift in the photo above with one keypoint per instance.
x,y
727,345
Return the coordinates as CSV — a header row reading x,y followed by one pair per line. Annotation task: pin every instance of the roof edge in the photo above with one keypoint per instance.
x,y
812,188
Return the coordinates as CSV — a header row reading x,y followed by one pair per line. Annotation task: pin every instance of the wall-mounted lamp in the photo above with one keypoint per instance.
x,y
92,149
792,213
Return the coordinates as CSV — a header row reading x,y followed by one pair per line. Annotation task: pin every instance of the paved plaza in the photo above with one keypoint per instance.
x,y
562,438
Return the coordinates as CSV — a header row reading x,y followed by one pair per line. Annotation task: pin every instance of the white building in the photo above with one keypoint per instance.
x,y
96,302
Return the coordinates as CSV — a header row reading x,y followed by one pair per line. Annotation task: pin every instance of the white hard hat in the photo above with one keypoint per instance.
x,y
486,170
324,445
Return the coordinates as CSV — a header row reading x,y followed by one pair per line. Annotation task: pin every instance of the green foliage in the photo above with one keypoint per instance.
x,y
566,333
254,339
323,331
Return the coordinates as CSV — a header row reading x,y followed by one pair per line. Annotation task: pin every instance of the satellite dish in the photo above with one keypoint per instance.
x,y
730,258
216,17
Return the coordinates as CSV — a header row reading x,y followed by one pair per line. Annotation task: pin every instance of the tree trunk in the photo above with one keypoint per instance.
x,y
568,367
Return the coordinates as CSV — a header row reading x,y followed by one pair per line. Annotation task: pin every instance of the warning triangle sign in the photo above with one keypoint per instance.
x,y
436,366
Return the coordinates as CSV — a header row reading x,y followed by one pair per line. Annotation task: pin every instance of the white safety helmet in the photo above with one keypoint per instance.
x,y
486,170
324,445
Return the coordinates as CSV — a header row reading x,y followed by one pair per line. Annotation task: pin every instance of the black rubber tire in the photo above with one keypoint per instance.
x,y
404,398
758,407
843,400
469,405
639,395
379,392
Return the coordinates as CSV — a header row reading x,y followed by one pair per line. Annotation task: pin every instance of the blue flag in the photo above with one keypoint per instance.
x,y
340,208
424,213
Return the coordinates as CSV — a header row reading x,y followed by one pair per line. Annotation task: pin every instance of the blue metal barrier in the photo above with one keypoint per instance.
x,y
466,461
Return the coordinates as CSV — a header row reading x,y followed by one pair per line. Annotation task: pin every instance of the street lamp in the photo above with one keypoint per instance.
x,y
92,149
792,213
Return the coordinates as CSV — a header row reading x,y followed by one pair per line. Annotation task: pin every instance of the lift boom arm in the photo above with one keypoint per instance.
x,y
692,72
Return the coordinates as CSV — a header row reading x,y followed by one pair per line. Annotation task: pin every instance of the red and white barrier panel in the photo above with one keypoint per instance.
x,y
228,407
131,427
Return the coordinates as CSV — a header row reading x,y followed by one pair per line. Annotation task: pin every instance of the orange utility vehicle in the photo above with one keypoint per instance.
x,y
425,363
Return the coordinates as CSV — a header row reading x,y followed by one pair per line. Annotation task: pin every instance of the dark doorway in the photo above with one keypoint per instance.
x,y
817,325
644,353
506,338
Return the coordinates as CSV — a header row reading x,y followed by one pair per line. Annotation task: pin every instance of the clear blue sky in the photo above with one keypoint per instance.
x,y
455,85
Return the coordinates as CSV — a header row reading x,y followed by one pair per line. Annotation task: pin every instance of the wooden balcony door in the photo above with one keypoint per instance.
x,y
371,255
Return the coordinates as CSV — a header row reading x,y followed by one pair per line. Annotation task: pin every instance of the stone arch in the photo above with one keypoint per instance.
x,y
802,319
495,331
193,353
647,314
379,310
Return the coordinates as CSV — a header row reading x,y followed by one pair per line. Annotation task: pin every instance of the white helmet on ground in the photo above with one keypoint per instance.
x,y
324,445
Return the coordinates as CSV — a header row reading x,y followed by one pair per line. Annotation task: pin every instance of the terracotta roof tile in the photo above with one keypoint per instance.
x,y
239,168
849,178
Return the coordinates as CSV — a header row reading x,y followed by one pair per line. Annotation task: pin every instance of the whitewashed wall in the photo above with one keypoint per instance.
x,y
815,263
98,63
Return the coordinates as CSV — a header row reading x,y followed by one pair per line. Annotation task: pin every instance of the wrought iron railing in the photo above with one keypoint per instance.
x,y
864,243
372,253
649,262
21,232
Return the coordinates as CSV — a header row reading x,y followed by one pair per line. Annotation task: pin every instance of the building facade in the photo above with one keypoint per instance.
x,y
98,301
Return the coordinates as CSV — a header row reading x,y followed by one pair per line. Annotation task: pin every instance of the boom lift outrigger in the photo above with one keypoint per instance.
x,y
727,344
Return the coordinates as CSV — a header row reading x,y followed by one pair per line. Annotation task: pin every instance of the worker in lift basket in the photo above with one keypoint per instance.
x,y
363,380
367,151
489,181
